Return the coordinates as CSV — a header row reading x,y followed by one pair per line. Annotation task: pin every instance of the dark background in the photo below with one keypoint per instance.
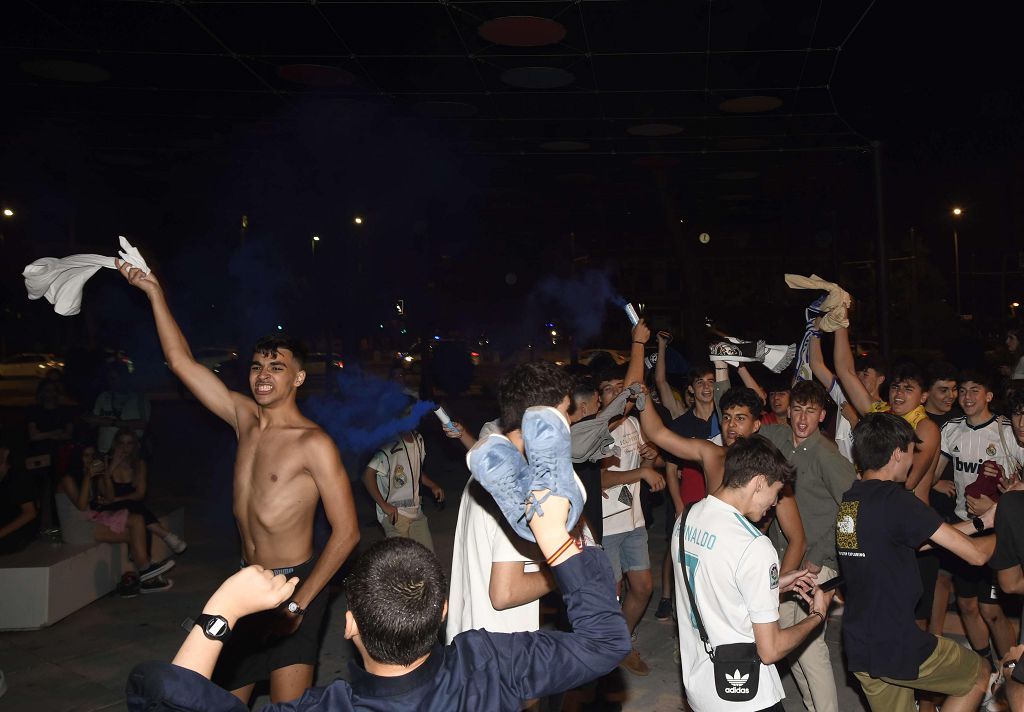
x,y
170,121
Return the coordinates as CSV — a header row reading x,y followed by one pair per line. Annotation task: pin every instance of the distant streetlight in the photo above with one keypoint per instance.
x,y
312,244
358,220
957,212
8,213
1014,306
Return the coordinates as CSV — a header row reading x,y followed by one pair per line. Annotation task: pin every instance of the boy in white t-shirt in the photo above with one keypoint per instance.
x,y
733,570
496,583
393,478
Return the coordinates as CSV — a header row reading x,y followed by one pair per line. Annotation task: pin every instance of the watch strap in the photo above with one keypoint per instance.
x,y
214,627
978,524
294,608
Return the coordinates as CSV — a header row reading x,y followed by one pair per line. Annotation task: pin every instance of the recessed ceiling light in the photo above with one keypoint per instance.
x,y
522,31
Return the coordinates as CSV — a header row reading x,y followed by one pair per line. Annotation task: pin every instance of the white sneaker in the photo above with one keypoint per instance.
x,y
176,543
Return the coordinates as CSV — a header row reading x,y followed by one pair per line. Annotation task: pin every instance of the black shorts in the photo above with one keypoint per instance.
x,y
251,653
975,582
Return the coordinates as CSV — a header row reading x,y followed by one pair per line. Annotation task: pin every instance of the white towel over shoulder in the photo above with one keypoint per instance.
x,y
61,280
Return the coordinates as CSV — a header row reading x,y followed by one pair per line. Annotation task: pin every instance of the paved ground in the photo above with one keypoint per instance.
x,y
82,662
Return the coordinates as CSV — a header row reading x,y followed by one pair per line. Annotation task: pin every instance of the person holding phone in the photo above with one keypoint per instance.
x,y
879,528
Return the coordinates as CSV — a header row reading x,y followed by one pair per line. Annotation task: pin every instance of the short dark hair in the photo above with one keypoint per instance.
x,y
611,373
876,436
1015,401
808,393
583,386
742,397
528,385
753,456
976,375
698,372
270,345
908,371
940,371
396,593
874,360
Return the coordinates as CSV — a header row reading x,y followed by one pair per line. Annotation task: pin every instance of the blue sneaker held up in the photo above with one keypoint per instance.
x,y
549,453
498,465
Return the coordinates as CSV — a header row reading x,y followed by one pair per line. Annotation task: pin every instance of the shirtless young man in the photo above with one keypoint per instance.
x,y
285,464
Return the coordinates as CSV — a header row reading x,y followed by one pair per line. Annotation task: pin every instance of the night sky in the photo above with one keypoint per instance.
x,y
175,120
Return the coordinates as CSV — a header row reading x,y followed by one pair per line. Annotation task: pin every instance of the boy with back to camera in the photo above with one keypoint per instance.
x,y
397,606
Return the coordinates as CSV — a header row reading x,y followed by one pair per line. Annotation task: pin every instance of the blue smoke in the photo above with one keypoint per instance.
x,y
578,303
367,412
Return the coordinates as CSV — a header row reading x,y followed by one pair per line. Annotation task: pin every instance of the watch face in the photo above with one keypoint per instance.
x,y
216,627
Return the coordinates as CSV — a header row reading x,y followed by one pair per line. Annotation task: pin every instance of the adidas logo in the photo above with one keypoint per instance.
x,y
956,448
736,683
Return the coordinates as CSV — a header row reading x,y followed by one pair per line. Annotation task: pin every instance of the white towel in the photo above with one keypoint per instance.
x,y
61,280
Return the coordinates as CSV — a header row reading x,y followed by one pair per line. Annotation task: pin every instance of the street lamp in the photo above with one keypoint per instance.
x,y
316,239
957,212
8,213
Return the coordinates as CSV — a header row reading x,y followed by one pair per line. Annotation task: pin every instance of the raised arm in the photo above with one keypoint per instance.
x,y
750,382
635,371
668,398
709,456
817,363
846,372
201,381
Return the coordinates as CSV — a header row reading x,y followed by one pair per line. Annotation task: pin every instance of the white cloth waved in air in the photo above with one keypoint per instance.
x,y
61,280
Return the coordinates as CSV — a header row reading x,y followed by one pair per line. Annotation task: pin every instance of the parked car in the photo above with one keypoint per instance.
x,y
217,359
29,365
318,361
587,355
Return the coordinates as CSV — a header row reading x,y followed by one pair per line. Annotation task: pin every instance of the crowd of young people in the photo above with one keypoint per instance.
x,y
880,486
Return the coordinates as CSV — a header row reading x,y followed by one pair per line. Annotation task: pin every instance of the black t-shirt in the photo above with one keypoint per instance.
x,y
16,489
689,425
1009,532
879,526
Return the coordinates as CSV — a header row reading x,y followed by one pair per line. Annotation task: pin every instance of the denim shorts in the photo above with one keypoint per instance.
x,y
628,551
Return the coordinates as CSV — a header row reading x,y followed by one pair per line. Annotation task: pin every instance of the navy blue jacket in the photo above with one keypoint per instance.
x,y
479,671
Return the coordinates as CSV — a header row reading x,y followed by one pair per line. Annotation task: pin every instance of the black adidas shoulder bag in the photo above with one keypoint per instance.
x,y
737,665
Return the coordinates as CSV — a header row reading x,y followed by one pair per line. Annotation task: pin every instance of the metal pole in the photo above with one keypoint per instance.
x,y
956,268
882,269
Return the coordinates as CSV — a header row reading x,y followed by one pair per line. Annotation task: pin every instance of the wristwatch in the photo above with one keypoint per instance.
x,y
214,627
978,524
293,608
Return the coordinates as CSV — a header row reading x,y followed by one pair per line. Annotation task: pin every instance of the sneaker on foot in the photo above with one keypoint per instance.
x,y
635,664
499,466
548,447
155,569
155,585
176,543
128,586
664,611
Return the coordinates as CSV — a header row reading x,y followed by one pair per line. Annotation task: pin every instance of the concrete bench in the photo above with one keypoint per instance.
x,y
46,582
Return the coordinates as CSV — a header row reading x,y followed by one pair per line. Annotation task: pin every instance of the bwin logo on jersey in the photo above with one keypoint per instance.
x,y
736,683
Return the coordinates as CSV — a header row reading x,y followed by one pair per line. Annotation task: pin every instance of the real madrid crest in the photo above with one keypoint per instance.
x,y
991,450
400,476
